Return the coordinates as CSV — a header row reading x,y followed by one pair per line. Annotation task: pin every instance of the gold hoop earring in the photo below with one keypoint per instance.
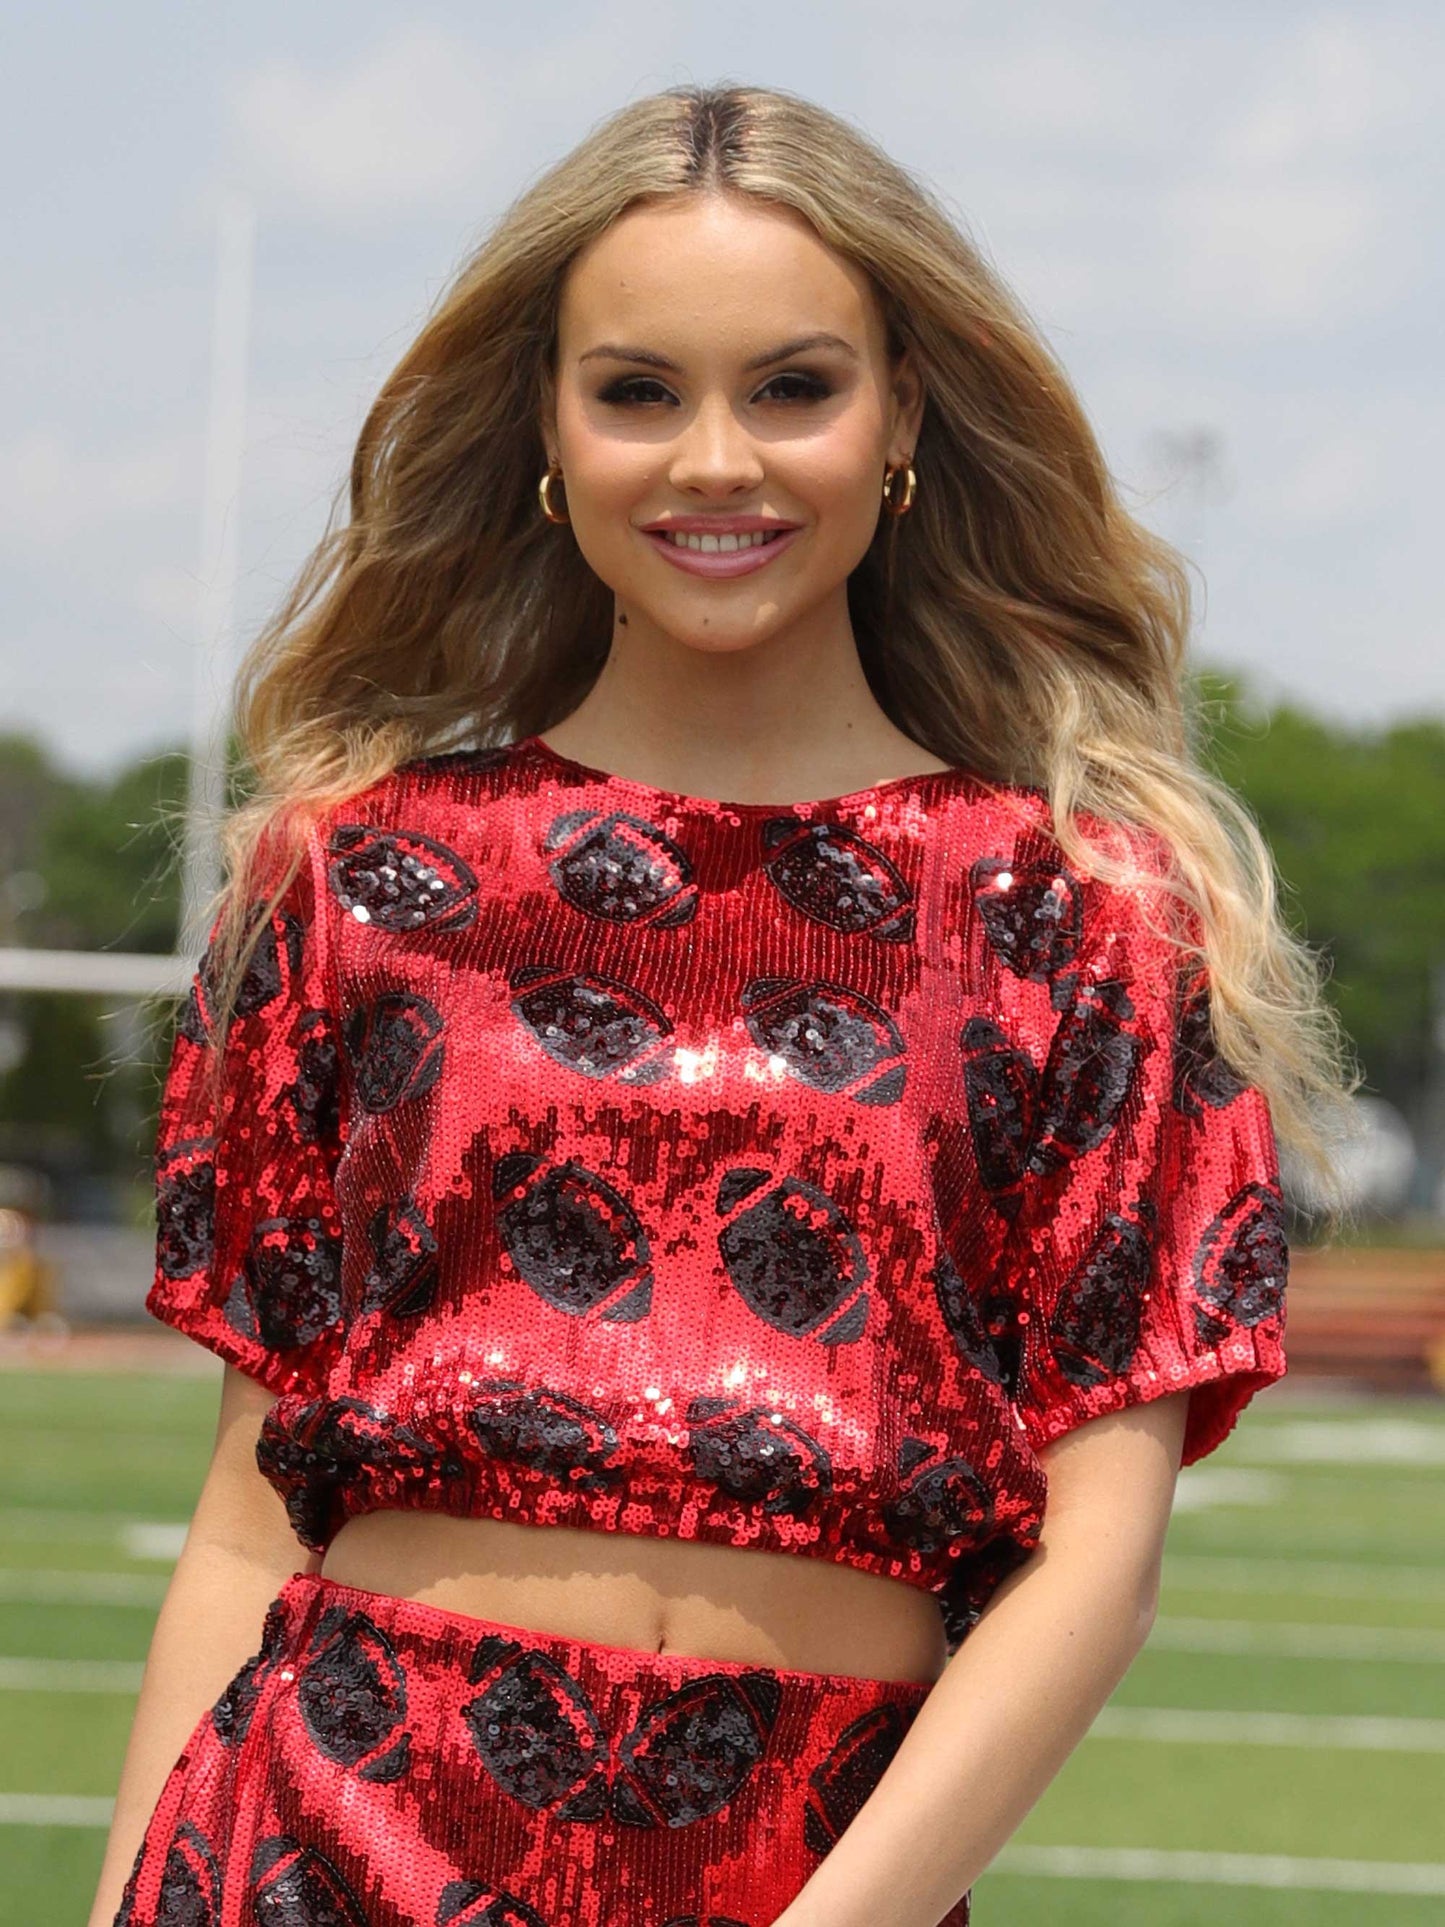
x,y
544,493
894,507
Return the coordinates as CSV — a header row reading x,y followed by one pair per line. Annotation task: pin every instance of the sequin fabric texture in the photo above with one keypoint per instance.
x,y
385,1763
783,1177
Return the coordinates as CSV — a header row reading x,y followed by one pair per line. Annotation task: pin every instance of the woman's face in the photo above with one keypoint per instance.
x,y
691,393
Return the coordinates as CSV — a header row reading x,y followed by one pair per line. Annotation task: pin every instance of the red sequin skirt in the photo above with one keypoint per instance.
x,y
383,1763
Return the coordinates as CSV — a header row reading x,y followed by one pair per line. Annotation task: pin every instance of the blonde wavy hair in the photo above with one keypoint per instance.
x,y
1018,621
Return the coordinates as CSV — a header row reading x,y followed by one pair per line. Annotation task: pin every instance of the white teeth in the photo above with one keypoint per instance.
x,y
718,544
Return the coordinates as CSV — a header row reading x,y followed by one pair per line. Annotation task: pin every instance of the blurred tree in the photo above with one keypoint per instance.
x,y
1356,821
75,1102
27,781
106,855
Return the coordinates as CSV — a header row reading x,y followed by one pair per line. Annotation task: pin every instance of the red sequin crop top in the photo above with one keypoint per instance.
x,y
595,1155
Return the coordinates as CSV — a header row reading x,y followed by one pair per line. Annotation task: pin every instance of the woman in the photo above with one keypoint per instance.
x,y
669,1239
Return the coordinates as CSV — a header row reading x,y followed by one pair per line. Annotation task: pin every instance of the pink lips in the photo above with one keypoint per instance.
x,y
733,562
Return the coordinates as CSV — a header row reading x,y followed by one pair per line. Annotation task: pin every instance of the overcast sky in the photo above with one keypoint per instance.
x,y
1223,218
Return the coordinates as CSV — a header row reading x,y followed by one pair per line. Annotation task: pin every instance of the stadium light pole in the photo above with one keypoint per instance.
x,y
1192,460
142,974
220,552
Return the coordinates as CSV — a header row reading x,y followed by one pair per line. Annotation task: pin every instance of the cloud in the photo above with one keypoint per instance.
x,y
1342,466
169,597
1255,253
429,121
1333,483
414,119
1226,185
1284,218
53,492
1327,103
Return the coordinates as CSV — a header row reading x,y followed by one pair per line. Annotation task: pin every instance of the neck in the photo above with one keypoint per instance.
x,y
793,714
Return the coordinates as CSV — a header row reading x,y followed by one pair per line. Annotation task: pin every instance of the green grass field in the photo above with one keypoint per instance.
x,y
1276,1756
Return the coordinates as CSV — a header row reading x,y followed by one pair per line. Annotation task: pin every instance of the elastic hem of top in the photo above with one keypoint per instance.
x,y
1227,1379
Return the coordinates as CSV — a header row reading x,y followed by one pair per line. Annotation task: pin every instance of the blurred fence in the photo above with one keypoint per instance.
x,y
1375,1317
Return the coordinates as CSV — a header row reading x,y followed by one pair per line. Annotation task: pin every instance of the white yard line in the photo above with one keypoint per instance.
x,y
18,1522
1417,1645
1223,1869
157,1539
70,1675
55,1810
55,1586
1207,1572
1368,1443
1352,1732
1201,1486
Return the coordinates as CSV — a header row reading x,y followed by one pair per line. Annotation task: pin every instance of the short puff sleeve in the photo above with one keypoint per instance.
x,y
248,1238
1147,1253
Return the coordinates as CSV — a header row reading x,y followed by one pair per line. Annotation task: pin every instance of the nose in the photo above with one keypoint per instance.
x,y
714,453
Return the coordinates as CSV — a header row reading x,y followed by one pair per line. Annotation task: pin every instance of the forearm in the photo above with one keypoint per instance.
x,y
210,1621
1012,1704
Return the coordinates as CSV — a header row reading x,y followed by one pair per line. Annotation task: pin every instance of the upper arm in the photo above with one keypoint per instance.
x,y
1111,1489
238,1507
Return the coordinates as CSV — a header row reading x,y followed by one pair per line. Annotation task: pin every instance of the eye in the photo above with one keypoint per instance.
x,y
810,387
624,392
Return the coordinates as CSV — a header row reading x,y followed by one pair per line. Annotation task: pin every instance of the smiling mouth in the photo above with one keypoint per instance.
x,y
718,544
723,557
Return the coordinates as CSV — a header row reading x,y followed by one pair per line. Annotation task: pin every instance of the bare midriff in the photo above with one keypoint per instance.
x,y
709,1601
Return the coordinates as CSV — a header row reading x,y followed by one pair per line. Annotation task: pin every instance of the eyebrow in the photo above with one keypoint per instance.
x,y
613,351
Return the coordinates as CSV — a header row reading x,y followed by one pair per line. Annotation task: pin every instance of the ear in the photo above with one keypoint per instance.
x,y
909,401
